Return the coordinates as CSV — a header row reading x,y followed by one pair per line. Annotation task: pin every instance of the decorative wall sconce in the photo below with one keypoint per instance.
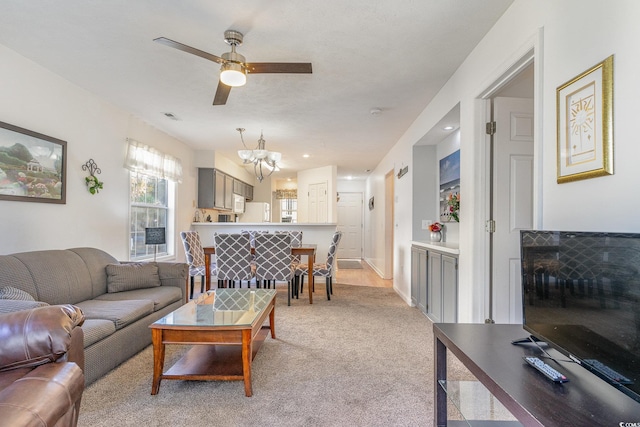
x,y
93,184
402,172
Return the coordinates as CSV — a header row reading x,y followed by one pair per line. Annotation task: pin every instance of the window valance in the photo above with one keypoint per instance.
x,y
286,194
149,161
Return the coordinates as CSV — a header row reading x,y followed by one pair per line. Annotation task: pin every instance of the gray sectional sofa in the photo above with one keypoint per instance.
x,y
119,300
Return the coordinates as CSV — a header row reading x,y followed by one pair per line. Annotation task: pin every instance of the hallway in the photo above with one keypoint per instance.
x,y
364,276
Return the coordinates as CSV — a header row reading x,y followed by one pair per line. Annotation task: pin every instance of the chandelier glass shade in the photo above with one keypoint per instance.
x,y
264,161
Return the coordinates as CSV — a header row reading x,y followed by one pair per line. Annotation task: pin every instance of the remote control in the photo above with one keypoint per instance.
x,y
546,370
609,373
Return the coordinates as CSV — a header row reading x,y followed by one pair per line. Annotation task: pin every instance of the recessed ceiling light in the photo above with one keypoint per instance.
x,y
349,177
306,156
448,128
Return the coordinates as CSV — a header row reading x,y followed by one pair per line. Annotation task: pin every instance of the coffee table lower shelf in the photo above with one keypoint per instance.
x,y
205,362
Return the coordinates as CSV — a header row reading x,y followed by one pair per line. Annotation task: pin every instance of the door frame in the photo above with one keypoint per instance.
x,y
531,53
389,223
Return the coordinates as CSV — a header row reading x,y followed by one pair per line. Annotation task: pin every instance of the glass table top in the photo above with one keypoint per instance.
x,y
221,307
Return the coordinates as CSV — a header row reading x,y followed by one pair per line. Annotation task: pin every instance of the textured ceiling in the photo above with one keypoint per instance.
x,y
392,55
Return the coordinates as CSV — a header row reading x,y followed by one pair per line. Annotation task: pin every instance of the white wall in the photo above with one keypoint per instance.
x,y
568,38
38,100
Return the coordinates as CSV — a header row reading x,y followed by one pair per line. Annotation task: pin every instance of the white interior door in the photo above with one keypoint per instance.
x,y
323,205
313,203
318,206
350,223
512,201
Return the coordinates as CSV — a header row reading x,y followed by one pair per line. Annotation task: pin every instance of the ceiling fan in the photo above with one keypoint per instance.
x,y
234,66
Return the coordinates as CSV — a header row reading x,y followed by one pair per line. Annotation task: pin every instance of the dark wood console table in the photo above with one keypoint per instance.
x,y
486,350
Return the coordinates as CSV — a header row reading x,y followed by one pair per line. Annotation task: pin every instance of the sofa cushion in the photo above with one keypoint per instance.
x,y
121,313
96,330
11,305
161,296
9,292
127,277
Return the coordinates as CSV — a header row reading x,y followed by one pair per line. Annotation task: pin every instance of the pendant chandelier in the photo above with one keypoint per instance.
x,y
262,159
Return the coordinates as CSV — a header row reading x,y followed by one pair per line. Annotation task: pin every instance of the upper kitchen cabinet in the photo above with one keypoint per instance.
x,y
216,189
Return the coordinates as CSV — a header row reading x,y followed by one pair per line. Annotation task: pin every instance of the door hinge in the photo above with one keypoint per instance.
x,y
490,226
490,128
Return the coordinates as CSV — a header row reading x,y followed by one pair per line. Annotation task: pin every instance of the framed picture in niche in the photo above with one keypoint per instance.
x,y
32,166
449,183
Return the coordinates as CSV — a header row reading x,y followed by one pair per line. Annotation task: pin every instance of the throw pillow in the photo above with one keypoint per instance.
x,y
9,292
9,306
131,276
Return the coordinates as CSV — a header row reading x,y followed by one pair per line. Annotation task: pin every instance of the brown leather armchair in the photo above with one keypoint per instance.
x,y
41,366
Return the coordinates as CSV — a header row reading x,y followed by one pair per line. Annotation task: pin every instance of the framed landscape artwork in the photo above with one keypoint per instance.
x,y
585,124
449,182
32,166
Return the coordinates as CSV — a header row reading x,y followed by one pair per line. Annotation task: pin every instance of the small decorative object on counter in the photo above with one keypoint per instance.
x,y
93,184
436,231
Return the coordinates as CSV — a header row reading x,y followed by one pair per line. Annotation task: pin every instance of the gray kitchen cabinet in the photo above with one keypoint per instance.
x,y
449,289
228,192
243,189
419,270
443,287
434,283
208,190
216,189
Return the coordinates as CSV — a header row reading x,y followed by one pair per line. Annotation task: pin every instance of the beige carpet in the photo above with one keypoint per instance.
x,y
362,359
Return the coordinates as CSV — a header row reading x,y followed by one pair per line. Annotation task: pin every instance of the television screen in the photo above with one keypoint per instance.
x,y
581,294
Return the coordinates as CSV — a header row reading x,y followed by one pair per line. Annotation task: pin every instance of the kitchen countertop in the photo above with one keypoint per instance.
x,y
446,247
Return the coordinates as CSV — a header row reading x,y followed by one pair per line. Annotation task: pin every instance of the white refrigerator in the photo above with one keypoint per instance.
x,y
256,212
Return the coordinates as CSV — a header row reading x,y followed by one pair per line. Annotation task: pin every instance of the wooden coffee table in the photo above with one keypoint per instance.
x,y
226,329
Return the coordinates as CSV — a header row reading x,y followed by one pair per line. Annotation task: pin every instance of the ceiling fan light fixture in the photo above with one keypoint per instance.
x,y
233,74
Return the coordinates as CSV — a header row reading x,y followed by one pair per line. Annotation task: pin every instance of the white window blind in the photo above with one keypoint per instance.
x,y
148,161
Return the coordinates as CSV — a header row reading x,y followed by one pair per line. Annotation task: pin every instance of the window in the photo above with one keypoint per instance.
x,y
288,210
153,175
150,207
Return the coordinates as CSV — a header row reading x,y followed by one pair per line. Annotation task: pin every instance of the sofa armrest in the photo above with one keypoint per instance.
x,y
48,395
29,338
173,273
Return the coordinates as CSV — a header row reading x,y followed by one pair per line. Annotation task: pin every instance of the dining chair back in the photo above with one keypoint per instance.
x,y
195,258
296,242
233,257
273,260
325,270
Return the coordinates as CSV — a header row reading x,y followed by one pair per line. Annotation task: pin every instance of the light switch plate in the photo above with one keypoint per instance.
x,y
426,223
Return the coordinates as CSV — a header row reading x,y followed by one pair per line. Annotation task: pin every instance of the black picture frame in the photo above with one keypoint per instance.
x,y
33,166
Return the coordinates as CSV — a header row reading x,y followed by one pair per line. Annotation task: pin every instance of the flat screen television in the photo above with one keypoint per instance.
x,y
581,295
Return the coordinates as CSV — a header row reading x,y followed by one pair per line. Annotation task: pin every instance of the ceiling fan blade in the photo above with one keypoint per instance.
x,y
222,93
183,47
279,67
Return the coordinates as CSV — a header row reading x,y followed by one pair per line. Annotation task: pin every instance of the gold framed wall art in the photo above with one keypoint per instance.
x,y
585,124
